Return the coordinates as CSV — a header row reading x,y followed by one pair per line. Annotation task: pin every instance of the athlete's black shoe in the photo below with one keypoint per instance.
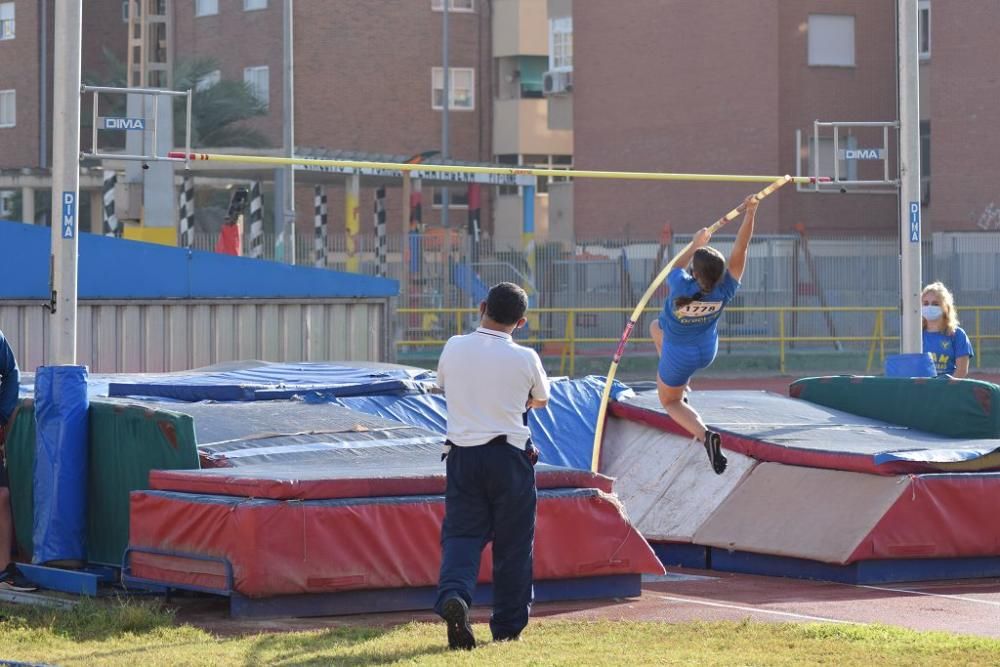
x,y
713,445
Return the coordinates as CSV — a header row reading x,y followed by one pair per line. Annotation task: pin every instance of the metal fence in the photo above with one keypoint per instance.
x,y
798,296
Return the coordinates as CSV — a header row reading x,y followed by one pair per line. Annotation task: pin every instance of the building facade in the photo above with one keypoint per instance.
x,y
682,86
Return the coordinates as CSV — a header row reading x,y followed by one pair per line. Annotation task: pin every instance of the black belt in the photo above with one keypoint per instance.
x,y
529,447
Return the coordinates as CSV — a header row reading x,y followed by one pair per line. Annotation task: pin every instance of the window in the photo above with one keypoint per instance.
x,y
454,5
209,80
251,5
8,108
561,44
6,20
6,203
206,7
258,78
461,81
458,197
925,29
831,40
125,11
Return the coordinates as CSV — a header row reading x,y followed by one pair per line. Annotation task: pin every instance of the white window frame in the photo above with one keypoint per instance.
x,y
469,8
254,5
437,83
207,81
8,21
249,76
13,108
561,41
202,7
125,5
816,56
925,18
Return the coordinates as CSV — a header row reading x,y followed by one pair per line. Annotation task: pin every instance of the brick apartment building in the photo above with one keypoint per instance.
x,y
368,79
721,87
363,78
26,87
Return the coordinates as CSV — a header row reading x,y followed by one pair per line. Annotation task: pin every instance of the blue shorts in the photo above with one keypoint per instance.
x,y
678,362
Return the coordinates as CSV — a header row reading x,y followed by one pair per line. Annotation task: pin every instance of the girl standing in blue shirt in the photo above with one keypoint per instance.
x,y
943,338
686,333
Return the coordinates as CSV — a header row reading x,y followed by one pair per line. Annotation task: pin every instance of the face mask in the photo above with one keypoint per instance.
x,y
931,312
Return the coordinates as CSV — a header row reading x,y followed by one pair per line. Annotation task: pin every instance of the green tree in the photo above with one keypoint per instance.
x,y
218,111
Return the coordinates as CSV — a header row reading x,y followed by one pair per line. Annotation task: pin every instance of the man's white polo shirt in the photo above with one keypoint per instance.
x,y
487,379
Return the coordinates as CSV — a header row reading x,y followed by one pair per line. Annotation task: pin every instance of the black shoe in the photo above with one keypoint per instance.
x,y
507,638
11,579
713,445
456,613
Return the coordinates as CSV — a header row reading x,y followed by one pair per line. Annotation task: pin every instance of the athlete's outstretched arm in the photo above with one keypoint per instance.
x,y
738,258
700,240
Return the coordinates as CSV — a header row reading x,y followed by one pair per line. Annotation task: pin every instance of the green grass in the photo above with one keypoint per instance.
x,y
145,635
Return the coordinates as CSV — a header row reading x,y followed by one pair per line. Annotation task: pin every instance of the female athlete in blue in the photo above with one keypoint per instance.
x,y
943,338
686,333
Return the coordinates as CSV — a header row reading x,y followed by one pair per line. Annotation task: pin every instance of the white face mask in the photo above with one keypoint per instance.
x,y
931,313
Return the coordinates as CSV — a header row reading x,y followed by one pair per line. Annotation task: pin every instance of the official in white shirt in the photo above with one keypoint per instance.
x,y
489,382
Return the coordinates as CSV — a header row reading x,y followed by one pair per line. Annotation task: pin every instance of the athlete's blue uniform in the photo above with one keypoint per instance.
x,y
690,334
947,349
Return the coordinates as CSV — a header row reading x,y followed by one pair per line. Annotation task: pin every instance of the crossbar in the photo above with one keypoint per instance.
x,y
470,169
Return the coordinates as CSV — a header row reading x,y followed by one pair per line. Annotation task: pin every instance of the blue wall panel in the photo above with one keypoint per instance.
x,y
118,269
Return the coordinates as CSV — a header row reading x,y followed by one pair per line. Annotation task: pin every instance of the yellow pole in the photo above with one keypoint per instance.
x,y
572,343
978,340
428,170
352,221
881,335
781,339
874,344
637,312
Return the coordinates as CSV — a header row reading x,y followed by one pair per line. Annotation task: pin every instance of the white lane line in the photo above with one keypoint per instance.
x,y
758,610
992,603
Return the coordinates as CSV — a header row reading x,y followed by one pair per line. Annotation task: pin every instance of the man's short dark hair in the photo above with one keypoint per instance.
x,y
506,303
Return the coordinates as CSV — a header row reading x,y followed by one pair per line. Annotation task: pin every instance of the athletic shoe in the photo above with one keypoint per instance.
x,y
11,579
713,445
507,638
456,613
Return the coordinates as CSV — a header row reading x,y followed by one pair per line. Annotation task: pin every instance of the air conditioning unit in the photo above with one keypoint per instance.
x,y
557,82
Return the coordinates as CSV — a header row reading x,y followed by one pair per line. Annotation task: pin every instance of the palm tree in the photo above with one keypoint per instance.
x,y
217,110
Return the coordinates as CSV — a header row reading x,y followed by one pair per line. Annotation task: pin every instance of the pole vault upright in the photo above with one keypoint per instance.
x,y
910,337
65,181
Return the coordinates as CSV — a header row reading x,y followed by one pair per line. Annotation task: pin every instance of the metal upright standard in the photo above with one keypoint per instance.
x,y
911,340
65,180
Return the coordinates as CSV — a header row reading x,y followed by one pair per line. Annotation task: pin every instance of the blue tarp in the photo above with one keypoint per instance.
x,y
563,431
61,455
274,381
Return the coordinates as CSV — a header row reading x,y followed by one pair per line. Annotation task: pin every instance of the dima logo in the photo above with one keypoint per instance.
x,y
112,123
863,154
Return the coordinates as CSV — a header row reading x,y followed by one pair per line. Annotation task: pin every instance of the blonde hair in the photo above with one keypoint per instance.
x,y
948,312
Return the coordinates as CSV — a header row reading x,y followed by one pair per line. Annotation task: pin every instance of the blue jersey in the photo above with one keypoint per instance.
x,y
698,321
10,380
947,349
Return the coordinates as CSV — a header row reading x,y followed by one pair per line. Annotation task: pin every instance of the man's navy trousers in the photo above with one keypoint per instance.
x,y
490,496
